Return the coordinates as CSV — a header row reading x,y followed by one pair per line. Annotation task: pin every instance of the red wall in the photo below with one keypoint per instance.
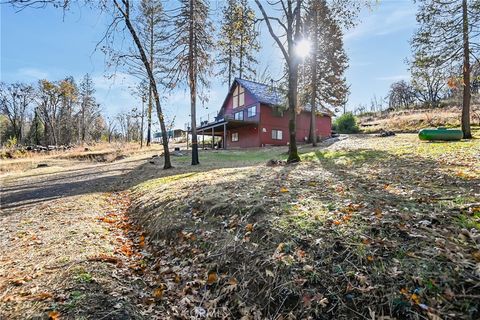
x,y
249,101
247,137
269,122
323,127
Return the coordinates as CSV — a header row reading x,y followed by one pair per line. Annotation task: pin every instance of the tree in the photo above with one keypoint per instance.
x,y
326,64
89,108
124,9
152,23
428,79
121,12
52,97
14,101
191,43
401,95
238,40
290,23
449,34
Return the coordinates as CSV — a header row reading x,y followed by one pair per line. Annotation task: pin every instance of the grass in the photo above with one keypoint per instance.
x,y
360,218
414,120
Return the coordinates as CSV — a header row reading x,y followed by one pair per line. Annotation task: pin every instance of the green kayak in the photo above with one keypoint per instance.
x,y
440,134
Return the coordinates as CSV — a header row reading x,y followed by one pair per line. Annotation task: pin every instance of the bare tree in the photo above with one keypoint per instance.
x,y
401,95
14,101
290,22
121,13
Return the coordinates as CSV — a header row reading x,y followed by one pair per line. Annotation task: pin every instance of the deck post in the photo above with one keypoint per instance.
x,y
203,139
213,138
224,136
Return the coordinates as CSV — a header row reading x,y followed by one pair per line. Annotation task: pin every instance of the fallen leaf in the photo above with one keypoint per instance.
x,y
249,227
54,315
283,189
212,277
158,292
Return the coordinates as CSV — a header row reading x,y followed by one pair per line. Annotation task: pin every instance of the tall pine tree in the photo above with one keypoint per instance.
x,y
238,41
152,24
191,44
325,66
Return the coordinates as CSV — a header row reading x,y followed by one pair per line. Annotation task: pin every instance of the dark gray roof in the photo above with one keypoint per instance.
x,y
272,96
262,92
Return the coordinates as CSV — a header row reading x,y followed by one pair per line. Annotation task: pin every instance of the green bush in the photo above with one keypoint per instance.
x,y
346,123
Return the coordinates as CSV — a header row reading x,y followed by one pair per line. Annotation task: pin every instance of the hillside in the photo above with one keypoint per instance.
x,y
415,119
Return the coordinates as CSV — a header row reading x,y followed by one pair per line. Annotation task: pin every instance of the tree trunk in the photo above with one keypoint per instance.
x,y
149,114
166,152
149,117
313,98
193,85
141,125
292,103
466,76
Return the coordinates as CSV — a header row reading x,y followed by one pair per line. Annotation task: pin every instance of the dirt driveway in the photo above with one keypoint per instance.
x,y
67,249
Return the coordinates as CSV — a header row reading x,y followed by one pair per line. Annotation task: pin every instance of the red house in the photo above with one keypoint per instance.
x,y
254,115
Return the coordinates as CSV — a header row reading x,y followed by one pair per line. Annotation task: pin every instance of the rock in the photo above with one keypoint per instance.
x,y
273,163
386,134
42,165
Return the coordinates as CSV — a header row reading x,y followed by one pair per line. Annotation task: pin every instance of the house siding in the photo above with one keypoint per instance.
x,y
269,122
257,130
323,127
247,137
249,101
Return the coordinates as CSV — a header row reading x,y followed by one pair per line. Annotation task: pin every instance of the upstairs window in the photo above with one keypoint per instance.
x,y
234,136
238,115
252,111
277,134
277,112
238,97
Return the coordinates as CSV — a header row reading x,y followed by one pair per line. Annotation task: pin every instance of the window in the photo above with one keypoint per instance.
x,y
277,134
238,97
277,112
252,111
234,136
238,115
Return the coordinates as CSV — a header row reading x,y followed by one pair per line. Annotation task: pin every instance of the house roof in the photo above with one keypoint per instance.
x,y
262,92
269,95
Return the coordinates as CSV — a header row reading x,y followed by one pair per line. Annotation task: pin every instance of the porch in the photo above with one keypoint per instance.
x,y
219,131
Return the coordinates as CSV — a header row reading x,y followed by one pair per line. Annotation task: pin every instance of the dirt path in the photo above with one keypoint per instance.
x,y
66,246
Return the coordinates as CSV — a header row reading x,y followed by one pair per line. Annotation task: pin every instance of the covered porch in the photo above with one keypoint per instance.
x,y
219,132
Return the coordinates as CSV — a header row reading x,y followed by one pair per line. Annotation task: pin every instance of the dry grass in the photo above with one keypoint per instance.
x,y
414,120
369,228
101,152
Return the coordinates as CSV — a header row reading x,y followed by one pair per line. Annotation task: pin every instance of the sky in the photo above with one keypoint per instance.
x,y
48,44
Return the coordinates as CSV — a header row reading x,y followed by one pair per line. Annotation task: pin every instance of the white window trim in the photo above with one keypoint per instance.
x,y
277,133
254,107
238,97
238,112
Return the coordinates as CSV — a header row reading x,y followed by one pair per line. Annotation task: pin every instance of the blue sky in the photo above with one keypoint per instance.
x,y
45,43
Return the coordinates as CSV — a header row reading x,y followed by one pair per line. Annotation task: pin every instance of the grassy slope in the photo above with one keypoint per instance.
x,y
384,226
414,120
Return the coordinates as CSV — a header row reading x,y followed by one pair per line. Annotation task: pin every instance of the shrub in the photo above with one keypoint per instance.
x,y
346,123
